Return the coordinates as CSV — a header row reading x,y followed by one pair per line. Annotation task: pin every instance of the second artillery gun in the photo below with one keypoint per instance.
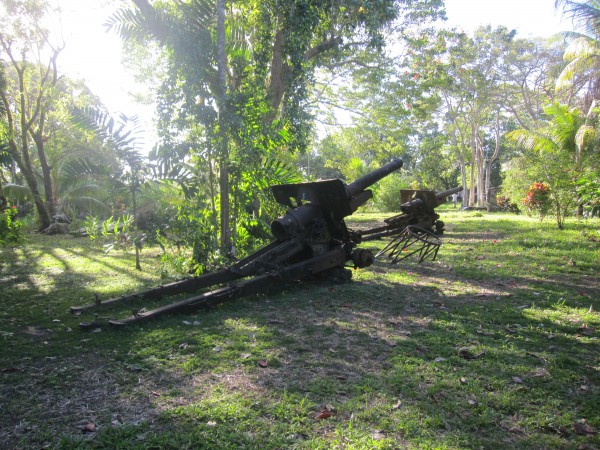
x,y
416,229
310,239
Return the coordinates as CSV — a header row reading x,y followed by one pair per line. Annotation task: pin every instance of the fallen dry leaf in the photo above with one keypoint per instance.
x,y
378,435
89,428
583,428
324,414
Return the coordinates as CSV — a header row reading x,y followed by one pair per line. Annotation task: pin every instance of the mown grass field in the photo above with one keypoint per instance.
x,y
493,345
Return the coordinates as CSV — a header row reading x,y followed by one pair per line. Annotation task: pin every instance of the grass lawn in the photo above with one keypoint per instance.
x,y
493,345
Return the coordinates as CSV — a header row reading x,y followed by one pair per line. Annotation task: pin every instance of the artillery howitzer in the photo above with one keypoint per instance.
x,y
310,239
416,229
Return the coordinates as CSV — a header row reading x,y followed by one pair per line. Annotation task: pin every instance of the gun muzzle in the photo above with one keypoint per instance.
x,y
442,195
364,182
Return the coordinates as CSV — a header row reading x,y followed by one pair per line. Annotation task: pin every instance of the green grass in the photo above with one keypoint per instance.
x,y
375,363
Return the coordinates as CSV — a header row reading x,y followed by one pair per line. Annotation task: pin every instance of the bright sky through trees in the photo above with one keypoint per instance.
x,y
531,18
95,55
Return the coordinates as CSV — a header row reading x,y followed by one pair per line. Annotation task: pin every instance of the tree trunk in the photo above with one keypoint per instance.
x,y
27,170
463,176
480,175
38,200
38,139
223,129
135,222
23,157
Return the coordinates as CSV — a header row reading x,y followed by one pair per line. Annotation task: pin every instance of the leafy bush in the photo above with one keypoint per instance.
x,y
537,199
387,195
10,226
589,195
505,204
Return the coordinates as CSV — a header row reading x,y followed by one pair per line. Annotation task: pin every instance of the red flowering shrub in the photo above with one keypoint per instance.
x,y
537,199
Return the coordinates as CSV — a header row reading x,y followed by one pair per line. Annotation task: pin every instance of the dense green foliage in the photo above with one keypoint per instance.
x,y
10,226
238,114
254,94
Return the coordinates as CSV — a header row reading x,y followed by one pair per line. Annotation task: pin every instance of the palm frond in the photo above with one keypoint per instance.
x,y
586,14
271,171
75,169
92,205
567,76
584,56
17,192
124,135
201,13
582,47
137,24
531,140
5,158
83,189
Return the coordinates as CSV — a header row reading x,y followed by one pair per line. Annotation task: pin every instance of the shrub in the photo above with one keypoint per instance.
x,y
10,226
505,204
387,195
537,199
588,190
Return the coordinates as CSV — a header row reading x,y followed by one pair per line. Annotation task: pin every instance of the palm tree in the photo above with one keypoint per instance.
x,y
123,135
583,53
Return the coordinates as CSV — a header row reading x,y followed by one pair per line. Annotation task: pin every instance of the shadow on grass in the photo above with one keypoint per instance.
x,y
374,363
385,360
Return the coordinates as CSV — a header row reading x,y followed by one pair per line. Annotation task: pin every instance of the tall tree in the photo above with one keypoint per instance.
x,y
271,51
23,42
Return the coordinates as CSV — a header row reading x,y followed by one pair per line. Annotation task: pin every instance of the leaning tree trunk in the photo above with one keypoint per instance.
x,y
38,200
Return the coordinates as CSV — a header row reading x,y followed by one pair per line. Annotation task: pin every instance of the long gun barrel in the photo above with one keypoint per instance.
x,y
442,195
368,180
